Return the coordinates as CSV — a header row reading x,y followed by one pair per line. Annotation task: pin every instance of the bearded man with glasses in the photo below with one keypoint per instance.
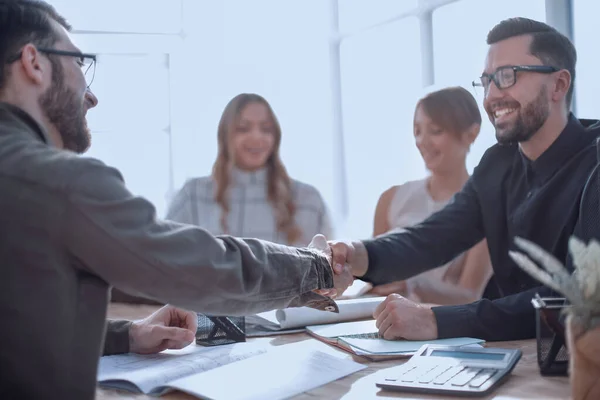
x,y
530,185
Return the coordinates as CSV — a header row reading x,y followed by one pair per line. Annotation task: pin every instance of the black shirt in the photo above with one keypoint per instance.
x,y
508,195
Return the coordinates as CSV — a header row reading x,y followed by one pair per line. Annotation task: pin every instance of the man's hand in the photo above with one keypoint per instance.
x,y
342,273
400,318
167,328
353,254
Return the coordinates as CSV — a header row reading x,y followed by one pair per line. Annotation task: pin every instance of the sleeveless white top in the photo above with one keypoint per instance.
x,y
410,205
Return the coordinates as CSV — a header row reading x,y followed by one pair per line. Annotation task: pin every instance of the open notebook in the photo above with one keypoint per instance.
x,y
258,372
362,338
296,319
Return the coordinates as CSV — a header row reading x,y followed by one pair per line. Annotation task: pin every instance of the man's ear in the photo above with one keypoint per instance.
x,y
562,85
34,67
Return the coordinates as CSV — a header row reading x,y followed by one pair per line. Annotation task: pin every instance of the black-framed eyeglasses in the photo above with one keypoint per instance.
x,y
505,77
87,62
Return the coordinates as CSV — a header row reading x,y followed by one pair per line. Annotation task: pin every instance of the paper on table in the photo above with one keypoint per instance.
x,y
357,289
382,346
146,372
278,374
342,329
351,309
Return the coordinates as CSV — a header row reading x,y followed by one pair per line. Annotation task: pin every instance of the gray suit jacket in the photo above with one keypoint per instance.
x,y
69,229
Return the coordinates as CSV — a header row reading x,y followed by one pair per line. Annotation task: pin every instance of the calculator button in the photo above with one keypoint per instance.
x,y
483,377
415,373
434,373
464,377
446,376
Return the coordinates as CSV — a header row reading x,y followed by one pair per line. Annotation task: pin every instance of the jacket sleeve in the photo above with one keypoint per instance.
x,y
435,241
508,318
116,236
116,340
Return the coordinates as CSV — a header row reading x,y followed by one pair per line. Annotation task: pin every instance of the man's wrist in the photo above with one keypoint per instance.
x,y
132,336
453,321
118,337
434,327
360,262
321,265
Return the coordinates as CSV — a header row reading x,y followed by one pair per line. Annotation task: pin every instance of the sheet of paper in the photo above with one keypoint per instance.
x,y
149,371
279,374
344,328
350,310
357,289
382,346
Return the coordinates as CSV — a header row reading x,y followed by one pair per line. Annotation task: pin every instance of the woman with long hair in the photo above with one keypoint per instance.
x,y
446,123
249,193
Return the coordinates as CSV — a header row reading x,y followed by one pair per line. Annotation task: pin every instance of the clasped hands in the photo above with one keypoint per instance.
x,y
397,317
175,328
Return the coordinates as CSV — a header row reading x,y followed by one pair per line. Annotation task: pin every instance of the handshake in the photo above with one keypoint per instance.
x,y
344,258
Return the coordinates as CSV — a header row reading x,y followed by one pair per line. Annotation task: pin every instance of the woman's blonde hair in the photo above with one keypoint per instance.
x,y
279,184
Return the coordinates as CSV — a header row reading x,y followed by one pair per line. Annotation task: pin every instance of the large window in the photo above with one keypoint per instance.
x,y
180,62
167,68
125,16
356,15
278,49
381,75
587,84
459,34
131,128
132,125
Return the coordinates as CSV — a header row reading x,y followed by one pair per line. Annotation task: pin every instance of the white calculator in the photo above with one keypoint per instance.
x,y
452,370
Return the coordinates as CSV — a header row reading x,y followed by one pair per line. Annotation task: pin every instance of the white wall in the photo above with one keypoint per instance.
x,y
587,85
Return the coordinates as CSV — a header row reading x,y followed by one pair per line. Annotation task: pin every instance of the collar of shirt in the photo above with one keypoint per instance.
x,y
13,116
571,140
248,178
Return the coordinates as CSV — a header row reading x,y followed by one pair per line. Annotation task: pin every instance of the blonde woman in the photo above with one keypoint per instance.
x,y
249,193
446,123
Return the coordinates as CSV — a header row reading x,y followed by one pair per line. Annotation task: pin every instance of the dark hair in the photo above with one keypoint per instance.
x,y
22,22
549,45
454,109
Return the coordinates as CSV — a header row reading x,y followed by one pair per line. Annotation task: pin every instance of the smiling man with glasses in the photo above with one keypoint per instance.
x,y
67,129
529,184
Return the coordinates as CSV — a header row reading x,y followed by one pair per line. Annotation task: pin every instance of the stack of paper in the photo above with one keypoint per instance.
x,y
279,374
296,319
362,338
242,371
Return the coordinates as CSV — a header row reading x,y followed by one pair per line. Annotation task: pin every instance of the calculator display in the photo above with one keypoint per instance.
x,y
469,355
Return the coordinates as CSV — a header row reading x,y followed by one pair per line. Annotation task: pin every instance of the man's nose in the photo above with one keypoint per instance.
x,y
91,98
492,91
492,94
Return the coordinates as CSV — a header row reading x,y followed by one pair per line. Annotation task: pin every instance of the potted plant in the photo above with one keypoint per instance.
x,y
582,290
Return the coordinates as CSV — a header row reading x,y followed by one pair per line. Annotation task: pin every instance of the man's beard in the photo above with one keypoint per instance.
x,y
529,121
65,110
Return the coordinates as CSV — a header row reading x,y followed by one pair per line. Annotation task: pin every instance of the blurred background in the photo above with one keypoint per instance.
x,y
343,77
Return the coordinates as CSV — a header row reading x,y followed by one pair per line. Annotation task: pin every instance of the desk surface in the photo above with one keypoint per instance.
x,y
525,382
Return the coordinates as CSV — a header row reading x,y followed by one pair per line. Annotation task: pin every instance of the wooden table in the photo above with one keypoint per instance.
x,y
525,382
